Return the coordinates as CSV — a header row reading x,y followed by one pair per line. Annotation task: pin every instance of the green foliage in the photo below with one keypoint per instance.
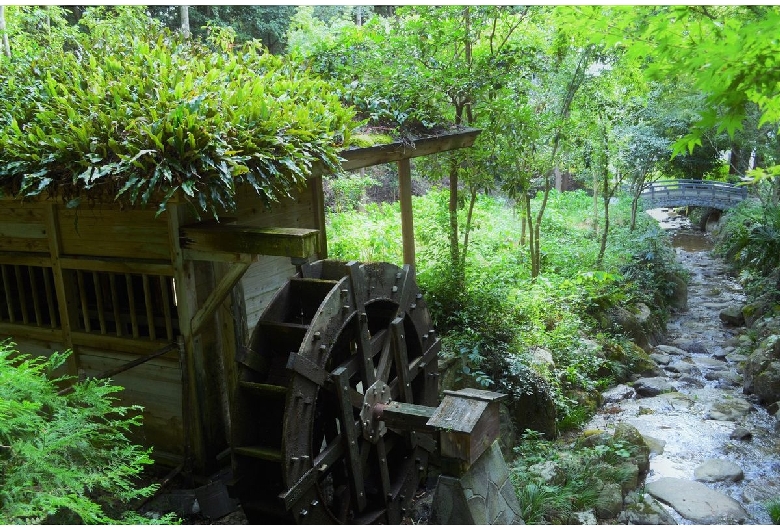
x,y
773,507
578,476
726,52
64,459
750,238
500,314
141,117
348,190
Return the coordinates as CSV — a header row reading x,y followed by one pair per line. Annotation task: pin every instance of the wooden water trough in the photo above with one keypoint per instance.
x,y
168,305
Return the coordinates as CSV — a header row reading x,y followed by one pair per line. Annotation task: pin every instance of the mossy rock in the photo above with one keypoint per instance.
x,y
358,140
640,451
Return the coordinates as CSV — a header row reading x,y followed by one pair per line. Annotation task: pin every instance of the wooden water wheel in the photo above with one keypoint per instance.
x,y
335,341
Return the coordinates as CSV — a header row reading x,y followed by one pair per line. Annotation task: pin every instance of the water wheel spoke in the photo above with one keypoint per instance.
x,y
391,503
364,350
354,468
401,359
385,359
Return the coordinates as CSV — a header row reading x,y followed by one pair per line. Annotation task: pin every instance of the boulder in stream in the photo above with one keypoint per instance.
x,y
732,316
618,393
679,298
718,470
653,386
740,433
639,323
696,502
641,453
681,367
670,350
661,358
729,410
762,370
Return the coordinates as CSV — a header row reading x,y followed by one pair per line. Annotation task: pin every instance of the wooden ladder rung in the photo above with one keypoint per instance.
x,y
260,389
261,453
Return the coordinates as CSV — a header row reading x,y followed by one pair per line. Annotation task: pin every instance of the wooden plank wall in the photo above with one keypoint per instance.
x,y
124,239
156,386
102,240
109,232
269,273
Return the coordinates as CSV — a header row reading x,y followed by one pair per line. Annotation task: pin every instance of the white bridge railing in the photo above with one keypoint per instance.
x,y
687,192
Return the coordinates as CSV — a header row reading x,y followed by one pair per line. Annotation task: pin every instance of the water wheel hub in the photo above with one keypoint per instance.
x,y
373,427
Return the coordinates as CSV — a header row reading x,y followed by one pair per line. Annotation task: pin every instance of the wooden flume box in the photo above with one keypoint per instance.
x,y
468,421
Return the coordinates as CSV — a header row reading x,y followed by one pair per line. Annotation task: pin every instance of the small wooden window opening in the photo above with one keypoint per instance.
x,y
141,306
28,296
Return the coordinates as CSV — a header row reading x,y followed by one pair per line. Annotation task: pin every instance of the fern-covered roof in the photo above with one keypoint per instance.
x,y
140,119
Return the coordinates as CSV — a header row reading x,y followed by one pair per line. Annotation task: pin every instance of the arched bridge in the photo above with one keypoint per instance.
x,y
686,192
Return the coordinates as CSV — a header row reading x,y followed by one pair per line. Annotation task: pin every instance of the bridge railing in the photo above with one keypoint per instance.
x,y
689,192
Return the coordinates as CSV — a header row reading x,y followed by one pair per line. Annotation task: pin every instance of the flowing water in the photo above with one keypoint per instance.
x,y
705,373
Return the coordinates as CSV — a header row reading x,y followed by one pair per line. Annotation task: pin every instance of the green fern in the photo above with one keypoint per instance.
x,y
64,459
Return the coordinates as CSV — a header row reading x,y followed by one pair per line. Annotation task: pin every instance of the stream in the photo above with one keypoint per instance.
x,y
705,415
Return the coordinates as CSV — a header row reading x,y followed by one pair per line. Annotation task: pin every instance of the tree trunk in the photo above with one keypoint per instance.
x,y
523,223
453,211
4,32
467,229
608,192
532,246
595,205
184,13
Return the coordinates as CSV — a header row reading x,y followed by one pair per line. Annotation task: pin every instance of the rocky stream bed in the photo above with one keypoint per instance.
x,y
714,450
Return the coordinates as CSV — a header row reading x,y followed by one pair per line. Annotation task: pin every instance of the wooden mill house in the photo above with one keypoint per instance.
x,y
163,303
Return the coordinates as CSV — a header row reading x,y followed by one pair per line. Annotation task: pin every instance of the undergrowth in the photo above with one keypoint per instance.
x,y
553,485
65,458
502,314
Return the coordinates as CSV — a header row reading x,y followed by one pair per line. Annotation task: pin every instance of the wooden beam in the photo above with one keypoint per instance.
x,y
382,154
112,343
292,242
19,331
194,443
407,218
117,265
219,257
34,260
66,295
216,297
318,203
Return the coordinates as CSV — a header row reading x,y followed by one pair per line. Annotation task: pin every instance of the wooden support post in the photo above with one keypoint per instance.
x,y
216,297
407,221
65,298
186,303
318,204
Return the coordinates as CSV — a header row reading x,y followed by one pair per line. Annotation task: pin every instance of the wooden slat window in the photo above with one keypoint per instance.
x,y
27,296
135,306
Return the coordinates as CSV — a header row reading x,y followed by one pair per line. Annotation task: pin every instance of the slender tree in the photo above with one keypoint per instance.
x,y
4,33
184,14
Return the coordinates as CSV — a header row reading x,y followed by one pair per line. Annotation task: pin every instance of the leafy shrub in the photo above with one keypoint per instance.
x,y
752,238
142,115
64,459
348,190
773,507
579,475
